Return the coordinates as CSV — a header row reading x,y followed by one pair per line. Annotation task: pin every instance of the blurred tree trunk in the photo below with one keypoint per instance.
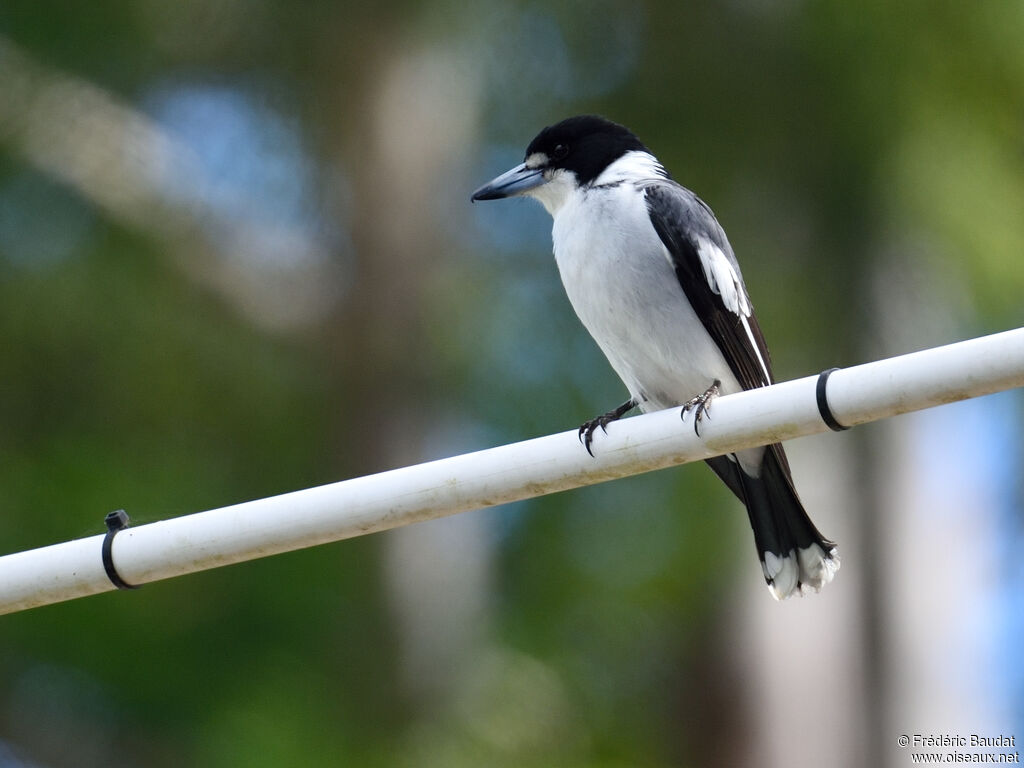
x,y
415,119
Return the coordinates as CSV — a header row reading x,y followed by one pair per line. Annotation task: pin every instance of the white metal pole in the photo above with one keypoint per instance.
x,y
508,473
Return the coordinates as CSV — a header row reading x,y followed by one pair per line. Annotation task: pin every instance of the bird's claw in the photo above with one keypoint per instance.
x,y
701,405
588,428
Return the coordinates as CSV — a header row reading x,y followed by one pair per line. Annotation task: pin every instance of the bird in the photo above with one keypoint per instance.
x,y
651,275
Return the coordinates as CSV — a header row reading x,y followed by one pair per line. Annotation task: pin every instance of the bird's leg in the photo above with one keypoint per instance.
x,y
701,405
588,428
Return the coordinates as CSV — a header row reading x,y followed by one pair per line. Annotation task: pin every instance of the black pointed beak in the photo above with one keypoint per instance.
x,y
513,182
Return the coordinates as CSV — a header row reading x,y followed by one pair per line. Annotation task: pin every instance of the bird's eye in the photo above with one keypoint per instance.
x,y
560,151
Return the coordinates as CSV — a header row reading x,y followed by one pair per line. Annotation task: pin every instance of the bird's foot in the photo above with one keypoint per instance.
x,y
701,405
588,428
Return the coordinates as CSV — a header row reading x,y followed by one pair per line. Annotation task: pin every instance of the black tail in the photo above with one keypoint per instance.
x,y
794,555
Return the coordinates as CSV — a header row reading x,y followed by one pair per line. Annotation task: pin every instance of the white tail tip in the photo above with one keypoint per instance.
x,y
799,572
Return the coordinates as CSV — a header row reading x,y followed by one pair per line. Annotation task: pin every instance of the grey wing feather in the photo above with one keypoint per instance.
x,y
682,221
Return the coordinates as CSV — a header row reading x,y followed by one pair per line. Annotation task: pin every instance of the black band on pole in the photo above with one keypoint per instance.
x,y
115,522
826,413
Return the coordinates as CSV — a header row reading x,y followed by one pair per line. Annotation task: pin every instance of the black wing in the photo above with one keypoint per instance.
x,y
686,225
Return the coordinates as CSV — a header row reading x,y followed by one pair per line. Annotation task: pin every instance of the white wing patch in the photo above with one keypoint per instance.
x,y
757,350
723,280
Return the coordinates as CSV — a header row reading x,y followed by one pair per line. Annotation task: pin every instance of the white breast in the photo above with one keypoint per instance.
x,y
620,280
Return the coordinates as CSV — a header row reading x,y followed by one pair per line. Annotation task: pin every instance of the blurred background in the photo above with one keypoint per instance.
x,y
237,258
